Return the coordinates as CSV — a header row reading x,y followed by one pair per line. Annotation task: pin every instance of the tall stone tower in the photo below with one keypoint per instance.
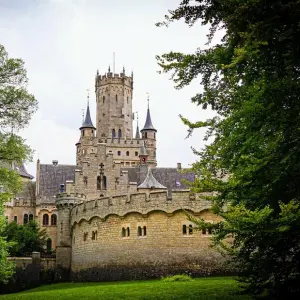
x,y
114,105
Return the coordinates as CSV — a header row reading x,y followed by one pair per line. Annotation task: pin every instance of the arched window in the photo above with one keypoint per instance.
x,y
190,229
85,235
184,229
103,99
98,183
16,219
49,245
116,98
127,153
85,180
113,133
144,230
45,219
30,217
94,235
53,219
136,153
128,231
139,232
25,219
123,232
119,133
119,153
104,183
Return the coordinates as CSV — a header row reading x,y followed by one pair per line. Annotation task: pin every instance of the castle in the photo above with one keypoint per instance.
x,y
115,214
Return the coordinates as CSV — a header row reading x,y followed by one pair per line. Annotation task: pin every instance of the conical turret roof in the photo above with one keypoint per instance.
x,y
148,124
150,182
87,121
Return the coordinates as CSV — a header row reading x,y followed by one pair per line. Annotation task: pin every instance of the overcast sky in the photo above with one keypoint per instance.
x,y
64,42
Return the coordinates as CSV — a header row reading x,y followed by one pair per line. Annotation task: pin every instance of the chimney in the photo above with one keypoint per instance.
x,y
178,166
54,162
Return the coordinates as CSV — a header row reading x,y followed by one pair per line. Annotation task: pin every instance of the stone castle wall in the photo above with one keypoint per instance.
x,y
102,248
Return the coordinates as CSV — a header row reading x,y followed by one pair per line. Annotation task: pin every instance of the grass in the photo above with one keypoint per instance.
x,y
201,288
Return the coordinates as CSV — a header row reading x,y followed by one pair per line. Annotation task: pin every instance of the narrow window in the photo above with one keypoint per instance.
x,y
203,231
136,153
184,229
123,232
139,231
128,231
119,133
53,220
30,217
144,231
154,135
104,183
16,219
85,235
49,245
93,235
45,219
82,132
146,135
113,133
98,183
116,98
127,100
119,153
85,180
127,153
25,219
191,229
103,99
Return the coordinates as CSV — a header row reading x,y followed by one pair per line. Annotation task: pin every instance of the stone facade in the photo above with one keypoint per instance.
x,y
119,216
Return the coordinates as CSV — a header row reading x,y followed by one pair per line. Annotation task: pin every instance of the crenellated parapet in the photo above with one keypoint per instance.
x,y
68,200
141,202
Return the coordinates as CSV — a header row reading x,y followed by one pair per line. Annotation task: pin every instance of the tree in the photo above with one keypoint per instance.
x,y
16,108
251,79
25,238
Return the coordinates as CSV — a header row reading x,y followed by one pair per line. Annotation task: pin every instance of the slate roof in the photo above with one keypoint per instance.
x,y
22,171
137,134
150,182
88,121
169,177
148,124
51,177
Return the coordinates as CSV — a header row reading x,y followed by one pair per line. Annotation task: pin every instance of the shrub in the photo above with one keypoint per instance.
x,y
182,277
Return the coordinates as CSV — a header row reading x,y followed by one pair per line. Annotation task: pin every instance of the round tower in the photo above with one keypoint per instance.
x,y
114,105
64,204
149,137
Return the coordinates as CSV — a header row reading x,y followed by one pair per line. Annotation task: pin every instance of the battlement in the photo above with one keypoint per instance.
x,y
142,203
122,141
111,78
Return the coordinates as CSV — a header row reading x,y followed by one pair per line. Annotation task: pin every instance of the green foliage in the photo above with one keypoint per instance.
x,y
224,288
25,238
182,277
251,80
16,108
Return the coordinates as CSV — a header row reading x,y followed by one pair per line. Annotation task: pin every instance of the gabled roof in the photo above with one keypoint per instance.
x,y
150,182
88,121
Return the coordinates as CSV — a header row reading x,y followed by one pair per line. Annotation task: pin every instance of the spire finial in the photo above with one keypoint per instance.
x,y
97,72
123,71
109,69
137,134
88,97
82,115
148,99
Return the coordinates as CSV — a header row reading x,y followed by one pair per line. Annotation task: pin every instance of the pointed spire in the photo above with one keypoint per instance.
x,y
150,182
148,124
143,150
87,123
137,134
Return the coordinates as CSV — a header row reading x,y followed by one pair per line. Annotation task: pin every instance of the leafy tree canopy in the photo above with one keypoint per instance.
x,y
16,108
251,79
25,238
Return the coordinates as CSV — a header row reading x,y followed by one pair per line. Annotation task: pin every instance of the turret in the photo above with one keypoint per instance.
x,y
143,154
149,136
87,128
